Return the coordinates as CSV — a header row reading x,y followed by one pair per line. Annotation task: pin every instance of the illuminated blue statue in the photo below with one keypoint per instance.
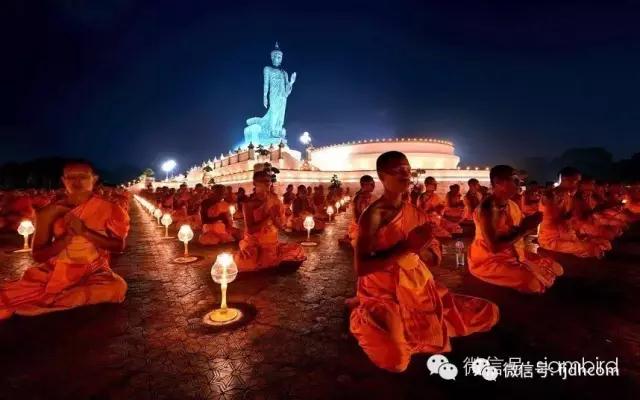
x,y
268,129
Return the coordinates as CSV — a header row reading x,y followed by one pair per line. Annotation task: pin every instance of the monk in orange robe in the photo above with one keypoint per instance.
x,y
360,202
471,199
585,220
217,225
531,199
287,200
263,215
400,309
497,254
302,208
556,232
632,201
433,205
74,269
454,205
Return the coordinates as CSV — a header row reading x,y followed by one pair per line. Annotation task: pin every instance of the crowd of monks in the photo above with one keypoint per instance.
x,y
399,308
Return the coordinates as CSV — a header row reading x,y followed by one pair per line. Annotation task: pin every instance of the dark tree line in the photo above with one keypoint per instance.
x,y
593,161
45,173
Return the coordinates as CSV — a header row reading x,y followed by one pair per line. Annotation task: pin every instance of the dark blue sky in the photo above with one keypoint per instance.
x,y
132,82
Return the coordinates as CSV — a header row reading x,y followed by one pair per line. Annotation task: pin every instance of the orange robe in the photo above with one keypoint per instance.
x,y
216,232
560,236
79,275
261,250
402,310
512,266
443,227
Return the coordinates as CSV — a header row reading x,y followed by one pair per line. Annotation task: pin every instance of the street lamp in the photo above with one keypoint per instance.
x,y
168,166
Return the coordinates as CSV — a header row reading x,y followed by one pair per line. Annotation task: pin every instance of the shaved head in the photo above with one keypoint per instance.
x,y
389,159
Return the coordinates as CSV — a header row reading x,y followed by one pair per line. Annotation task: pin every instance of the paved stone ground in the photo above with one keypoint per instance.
x,y
295,343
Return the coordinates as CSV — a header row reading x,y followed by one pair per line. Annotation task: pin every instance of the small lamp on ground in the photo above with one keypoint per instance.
x,y
330,212
166,221
309,224
337,207
157,213
224,271
185,234
25,229
232,211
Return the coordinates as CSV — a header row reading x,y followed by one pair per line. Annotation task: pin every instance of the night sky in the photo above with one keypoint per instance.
x,y
125,82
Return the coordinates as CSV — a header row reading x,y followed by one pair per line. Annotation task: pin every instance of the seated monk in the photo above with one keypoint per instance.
x,y
453,205
217,226
74,269
302,208
632,201
414,195
585,220
263,215
361,201
613,210
320,203
400,309
556,232
497,254
18,207
531,199
241,198
433,205
471,199
287,200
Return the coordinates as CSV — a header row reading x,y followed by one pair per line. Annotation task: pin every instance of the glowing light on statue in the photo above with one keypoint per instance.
x,y
25,229
330,212
223,272
157,213
308,224
166,221
168,166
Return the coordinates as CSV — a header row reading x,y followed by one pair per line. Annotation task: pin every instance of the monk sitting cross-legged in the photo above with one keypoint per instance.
x,y
361,201
556,231
217,225
497,254
72,242
433,205
263,215
400,309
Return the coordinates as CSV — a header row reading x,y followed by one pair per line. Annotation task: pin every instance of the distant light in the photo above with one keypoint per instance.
x,y
305,138
168,165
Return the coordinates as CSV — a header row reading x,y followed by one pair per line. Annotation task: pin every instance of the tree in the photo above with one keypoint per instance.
x,y
148,172
335,182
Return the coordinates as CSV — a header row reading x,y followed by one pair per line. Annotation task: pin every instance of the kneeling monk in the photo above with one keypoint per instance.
x,y
497,254
556,231
217,225
400,308
361,201
263,215
72,241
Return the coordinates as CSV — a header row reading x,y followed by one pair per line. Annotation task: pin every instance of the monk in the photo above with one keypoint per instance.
x,y
263,215
531,199
217,226
454,205
556,232
433,205
287,199
632,201
301,209
400,309
585,220
471,199
74,269
497,254
362,200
